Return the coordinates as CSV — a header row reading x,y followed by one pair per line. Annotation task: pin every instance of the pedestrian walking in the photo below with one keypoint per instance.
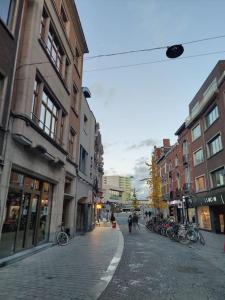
x,y
146,214
130,223
149,214
135,221
113,220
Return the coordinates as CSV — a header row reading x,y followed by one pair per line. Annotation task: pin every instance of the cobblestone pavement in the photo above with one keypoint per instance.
x,y
70,272
153,267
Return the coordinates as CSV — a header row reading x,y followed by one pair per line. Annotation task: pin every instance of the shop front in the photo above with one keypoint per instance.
x,y
27,214
211,212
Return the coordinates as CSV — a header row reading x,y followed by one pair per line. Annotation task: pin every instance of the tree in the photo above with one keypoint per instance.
x,y
155,187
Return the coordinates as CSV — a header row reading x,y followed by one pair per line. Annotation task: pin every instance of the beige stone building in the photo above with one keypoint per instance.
x,y
38,182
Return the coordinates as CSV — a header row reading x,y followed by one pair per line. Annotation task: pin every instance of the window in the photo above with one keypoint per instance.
x,y
198,157
64,17
83,160
185,148
187,175
43,28
217,177
7,8
200,183
49,116
54,49
61,129
176,161
71,142
212,116
85,123
66,77
74,103
215,145
196,132
35,99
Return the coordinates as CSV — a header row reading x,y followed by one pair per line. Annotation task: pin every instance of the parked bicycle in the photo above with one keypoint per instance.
x,y
182,233
194,234
62,238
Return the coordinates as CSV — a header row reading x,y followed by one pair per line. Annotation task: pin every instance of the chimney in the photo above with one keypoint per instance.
x,y
158,153
166,143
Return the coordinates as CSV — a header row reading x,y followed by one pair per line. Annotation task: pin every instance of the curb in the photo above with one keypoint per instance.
x,y
23,254
108,274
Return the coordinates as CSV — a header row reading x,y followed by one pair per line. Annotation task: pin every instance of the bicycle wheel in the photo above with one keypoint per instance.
x,y
183,239
192,235
201,239
62,238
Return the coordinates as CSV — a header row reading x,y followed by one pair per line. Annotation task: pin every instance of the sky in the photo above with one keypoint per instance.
x,y
138,106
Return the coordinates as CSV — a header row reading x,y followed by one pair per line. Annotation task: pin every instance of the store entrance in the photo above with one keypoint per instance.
x,y
26,216
219,217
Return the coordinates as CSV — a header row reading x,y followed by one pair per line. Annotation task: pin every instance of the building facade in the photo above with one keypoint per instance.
x,y
192,171
206,125
41,156
117,188
90,166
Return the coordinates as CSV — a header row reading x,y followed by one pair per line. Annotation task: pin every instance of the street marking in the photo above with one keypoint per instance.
x,y
108,274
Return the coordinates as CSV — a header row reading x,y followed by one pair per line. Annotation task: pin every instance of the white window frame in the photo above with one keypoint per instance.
x,y
210,112
194,156
211,177
195,138
198,191
210,141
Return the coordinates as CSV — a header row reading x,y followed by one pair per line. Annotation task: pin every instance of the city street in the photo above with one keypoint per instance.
x,y
153,267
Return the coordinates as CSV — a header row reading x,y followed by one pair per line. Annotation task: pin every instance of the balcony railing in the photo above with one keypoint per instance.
x,y
207,96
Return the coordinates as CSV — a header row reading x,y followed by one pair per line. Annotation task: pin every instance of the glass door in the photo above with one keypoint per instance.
x,y
10,225
23,220
32,220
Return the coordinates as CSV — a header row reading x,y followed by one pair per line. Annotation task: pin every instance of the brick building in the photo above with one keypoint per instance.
x,y
192,170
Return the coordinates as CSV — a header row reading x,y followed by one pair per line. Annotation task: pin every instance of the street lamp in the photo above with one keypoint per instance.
x,y
174,51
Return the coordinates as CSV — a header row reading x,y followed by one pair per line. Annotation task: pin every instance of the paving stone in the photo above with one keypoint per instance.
x,y
69,272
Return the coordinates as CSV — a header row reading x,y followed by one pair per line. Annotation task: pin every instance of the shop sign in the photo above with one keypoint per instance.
x,y
212,200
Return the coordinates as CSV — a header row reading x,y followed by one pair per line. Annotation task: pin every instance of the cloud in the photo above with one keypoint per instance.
x,y
100,91
141,172
145,143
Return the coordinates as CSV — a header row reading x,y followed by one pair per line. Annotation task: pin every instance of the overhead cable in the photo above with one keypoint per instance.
x,y
153,49
155,62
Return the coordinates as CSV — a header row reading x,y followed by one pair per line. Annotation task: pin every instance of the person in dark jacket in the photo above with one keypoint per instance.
x,y
130,223
112,219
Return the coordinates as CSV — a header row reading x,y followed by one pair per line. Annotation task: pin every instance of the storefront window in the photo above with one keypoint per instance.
x,y
27,214
31,184
204,219
16,179
11,218
44,219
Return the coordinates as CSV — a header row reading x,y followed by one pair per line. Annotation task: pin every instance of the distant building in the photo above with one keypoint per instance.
x,y
118,188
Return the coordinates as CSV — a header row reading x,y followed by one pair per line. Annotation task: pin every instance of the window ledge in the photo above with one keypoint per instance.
x,y
215,153
31,123
195,139
198,164
43,45
212,124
